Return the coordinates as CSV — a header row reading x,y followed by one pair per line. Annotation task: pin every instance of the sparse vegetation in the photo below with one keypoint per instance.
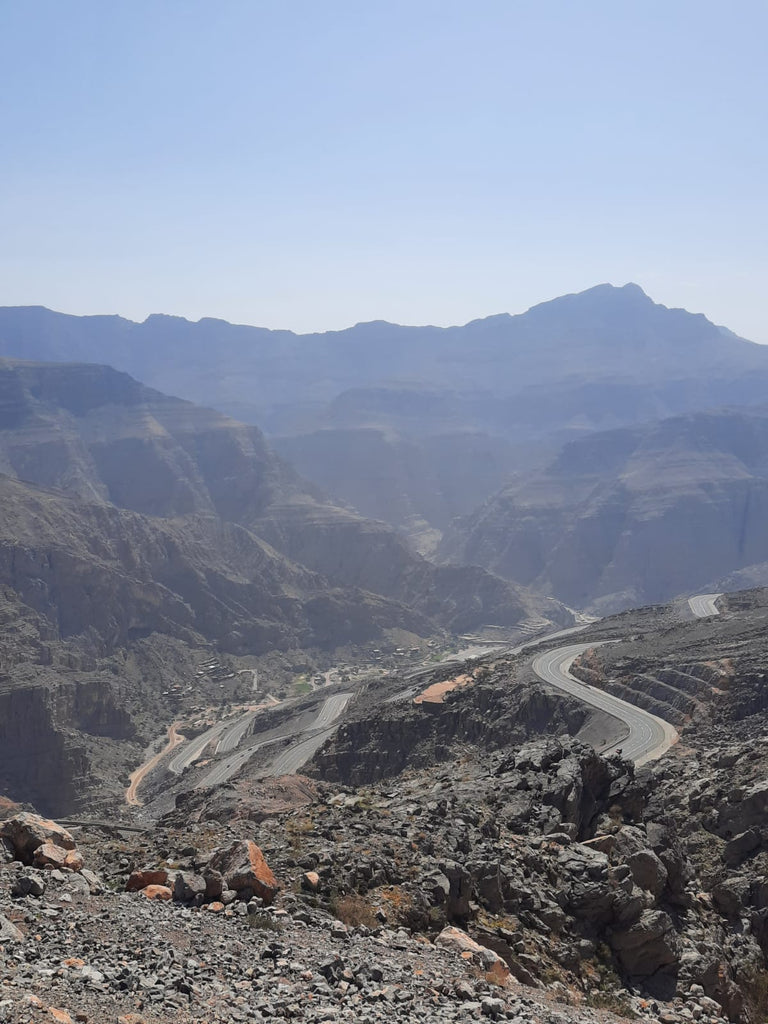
x,y
264,923
353,911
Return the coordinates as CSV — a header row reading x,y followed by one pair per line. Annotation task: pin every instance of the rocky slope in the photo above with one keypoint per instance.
x,y
492,871
73,948
103,438
132,546
584,874
631,516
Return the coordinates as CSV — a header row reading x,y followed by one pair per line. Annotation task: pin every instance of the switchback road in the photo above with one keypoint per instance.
x,y
137,777
310,736
647,736
703,605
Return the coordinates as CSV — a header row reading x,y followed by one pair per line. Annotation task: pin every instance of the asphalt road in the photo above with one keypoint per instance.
x,y
287,761
225,769
295,757
230,738
190,753
703,605
647,736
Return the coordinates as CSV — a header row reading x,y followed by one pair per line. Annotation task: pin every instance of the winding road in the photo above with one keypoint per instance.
x,y
195,748
310,736
137,777
647,736
703,605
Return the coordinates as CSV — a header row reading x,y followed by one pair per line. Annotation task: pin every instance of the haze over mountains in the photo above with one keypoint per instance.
x,y
632,516
164,571
416,425
103,439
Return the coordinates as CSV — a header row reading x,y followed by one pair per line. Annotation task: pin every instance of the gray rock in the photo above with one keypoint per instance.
x,y
648,946
187,887
740,847
28,884
9,932
648,871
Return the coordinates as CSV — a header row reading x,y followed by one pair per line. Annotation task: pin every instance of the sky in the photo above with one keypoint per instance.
x,y
309,165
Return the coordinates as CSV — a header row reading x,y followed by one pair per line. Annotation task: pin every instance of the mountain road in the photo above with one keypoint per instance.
x,y
647,736
703,605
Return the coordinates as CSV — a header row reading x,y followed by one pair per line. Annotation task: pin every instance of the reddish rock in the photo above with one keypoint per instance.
x,y
48,854
246,871
60,1015
28,831
74,861
141,879
157,892
310,880
461,943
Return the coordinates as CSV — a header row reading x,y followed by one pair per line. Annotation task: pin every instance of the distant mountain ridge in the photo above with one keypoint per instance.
x,y
416,425
241,369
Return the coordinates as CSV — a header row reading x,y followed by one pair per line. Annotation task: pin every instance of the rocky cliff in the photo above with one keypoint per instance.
x,y
631,517
103,438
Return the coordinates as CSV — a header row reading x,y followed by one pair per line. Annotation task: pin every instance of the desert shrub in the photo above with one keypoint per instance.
x,y
353,910
264,923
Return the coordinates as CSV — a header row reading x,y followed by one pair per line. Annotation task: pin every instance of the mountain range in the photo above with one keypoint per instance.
x,y
416,425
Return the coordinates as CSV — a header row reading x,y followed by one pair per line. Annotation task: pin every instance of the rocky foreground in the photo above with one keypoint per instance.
x,y
479,897
74,949
498,871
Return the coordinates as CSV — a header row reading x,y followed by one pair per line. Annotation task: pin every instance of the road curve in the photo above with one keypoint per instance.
x,y
703,605
647,736
195,748
137,777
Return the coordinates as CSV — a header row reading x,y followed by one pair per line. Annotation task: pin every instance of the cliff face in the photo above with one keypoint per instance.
x,y
44,733
103,438
632,517
492,715
123,576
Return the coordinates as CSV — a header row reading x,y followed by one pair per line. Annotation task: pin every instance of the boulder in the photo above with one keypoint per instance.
x,y
29,883
740,847
26,832
51,855
648,946
459,889
246,871
731,896
141,879
648,871
9,932
744,812
310,881
157,892
457,940
74,860
188,886
95,885
214,884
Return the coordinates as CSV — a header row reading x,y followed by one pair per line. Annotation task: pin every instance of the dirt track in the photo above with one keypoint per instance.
x,y
137,777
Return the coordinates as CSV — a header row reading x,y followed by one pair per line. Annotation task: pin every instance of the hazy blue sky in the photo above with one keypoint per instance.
x,y
312,163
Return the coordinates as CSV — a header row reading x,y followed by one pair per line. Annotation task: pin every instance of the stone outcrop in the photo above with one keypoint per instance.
x,y
27,832
246,871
